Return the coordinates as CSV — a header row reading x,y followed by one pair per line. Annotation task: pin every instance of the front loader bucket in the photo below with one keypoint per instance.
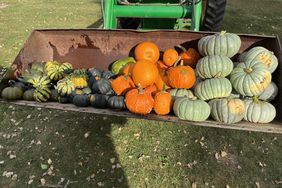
x,y
85,48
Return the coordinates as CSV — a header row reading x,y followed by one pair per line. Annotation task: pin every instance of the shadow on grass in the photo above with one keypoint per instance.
x,y
97,24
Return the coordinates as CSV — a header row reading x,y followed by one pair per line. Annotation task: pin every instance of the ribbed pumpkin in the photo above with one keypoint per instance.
x,y
12,93
181,76
122,84
152,89
258,111
250,78
54,95
108,75
139,101
170,56
214,66
99,101
162,65
269,93
227,110
28,95
42,94
145,73
162,102
191,109
222,43
116,102
190,57
213,88
177,93
81,100
261,54
101,86
94,72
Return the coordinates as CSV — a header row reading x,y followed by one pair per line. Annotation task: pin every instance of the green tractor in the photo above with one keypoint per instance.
x,y
206,15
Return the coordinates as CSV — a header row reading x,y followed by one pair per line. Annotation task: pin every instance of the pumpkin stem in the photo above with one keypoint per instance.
x,y
140,89
255,99
248,70
181,47
163,88
222,33
217,75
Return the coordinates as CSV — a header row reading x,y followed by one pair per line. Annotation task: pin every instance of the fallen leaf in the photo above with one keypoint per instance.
x,y
42,181
257,184
44,166
216,156
15,177
12,156
227,186
30,181
112,160
28,117
2,162
100,184
223,154
194,185
87,134
49,161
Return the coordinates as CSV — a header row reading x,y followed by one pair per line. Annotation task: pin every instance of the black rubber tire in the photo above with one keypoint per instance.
x,y
213,17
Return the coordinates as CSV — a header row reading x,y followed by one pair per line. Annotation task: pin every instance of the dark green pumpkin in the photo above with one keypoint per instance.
x,y
12,93
99,101
81,100
64,99
20,85
86,91
54,95
108,75
94,72
116,102
28,95
101,86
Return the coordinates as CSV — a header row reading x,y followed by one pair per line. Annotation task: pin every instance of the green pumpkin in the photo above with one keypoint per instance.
x,y
28,95
20,85
12,93
54,95
213,88
42,94
87,90
108,75
258,111
176,93
116,102
191,109
81,100
269,93
64,99
118,66
227,110
250,78
94,72
101,86
214,66
99,101
262,55
226,44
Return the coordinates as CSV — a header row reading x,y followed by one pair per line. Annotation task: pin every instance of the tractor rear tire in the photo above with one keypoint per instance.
x,y
214,12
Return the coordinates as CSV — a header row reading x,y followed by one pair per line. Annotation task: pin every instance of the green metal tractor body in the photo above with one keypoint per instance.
x,y
162,14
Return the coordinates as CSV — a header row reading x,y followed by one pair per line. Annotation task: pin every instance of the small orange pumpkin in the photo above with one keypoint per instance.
x,y
190,57
181,77
162,80
144,73
122,84
162,65
162,102
152,89
170,57
127,70
139,101
147,51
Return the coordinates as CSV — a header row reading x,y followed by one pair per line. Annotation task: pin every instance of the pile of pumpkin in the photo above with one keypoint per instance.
x,y
195,84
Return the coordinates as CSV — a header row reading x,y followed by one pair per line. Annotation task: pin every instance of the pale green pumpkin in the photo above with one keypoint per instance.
x,y
262,55
176,93
270,92
214,66
227,110
258,111
223,43
213,88
191,109
250,78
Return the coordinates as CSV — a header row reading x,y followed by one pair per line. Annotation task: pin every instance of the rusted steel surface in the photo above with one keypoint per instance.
x,y
85,48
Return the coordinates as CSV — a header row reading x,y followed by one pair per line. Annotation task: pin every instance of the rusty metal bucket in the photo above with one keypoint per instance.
x,y
85,48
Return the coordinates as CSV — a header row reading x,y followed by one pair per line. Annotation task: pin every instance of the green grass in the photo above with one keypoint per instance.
x,y
124,152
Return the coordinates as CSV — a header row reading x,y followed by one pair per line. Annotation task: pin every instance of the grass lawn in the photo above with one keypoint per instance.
x,y
67,149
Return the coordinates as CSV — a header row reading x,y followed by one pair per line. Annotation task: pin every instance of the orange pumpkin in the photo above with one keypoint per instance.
x,y
162,65
152,89
162,80
127,70
181,76
147,51
170,57
139,101
162,103
122,84
190,57
144,73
